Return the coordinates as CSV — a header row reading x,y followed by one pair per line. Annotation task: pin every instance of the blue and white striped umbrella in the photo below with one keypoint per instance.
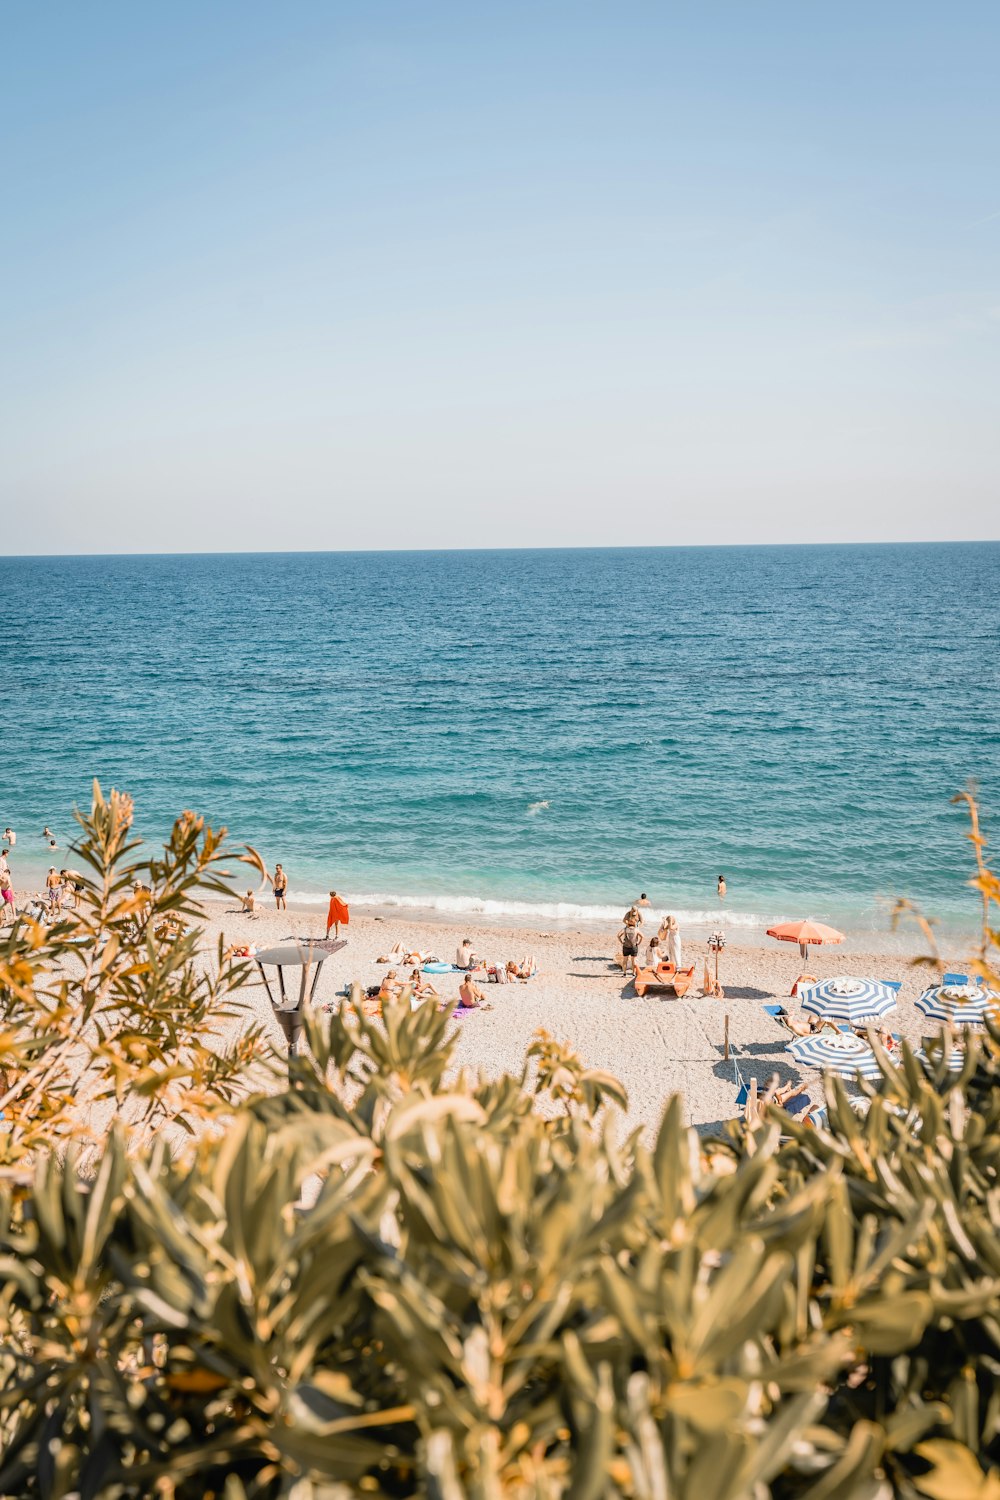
x,y
849,1001
836,1052
955,1059
958,1004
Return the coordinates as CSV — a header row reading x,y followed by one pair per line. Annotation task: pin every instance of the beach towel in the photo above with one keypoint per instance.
x,y
438,968
337,912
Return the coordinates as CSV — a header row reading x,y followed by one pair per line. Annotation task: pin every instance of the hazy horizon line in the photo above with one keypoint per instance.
x,y
427,551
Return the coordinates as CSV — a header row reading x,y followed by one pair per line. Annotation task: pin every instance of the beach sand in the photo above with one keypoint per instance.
x,y
655,1045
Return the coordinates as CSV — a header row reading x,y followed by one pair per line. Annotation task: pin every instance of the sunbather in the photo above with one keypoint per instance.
x,y
524,970
390,986
469,994
802,1028
421,988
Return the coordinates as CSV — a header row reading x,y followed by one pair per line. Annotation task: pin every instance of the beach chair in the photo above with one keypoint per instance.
x,y
955,979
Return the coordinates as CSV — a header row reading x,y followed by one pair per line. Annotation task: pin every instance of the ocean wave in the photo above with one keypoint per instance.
x,y
554,911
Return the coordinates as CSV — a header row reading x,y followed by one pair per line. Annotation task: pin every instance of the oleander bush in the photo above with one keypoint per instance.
x,y
389,1278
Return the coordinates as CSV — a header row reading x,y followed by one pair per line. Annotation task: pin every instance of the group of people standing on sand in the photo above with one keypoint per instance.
x,y
337,913
663,947
61,886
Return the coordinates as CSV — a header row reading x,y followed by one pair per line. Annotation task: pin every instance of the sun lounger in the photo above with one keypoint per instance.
x,y
955,979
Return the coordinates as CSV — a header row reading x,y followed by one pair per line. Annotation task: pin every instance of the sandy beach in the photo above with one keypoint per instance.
x,y
657,1046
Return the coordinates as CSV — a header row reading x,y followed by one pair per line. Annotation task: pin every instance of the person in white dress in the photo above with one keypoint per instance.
x,y
673,942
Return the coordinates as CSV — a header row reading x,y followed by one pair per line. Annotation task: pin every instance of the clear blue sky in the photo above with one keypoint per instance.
x,y
374,274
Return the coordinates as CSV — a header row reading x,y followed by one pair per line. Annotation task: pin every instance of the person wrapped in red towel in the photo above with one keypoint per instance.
x,y
337,915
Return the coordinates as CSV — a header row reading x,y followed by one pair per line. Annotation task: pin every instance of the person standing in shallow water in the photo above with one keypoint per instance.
x,y
720,886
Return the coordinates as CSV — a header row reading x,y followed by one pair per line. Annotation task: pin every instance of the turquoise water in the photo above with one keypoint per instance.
x,y
536,733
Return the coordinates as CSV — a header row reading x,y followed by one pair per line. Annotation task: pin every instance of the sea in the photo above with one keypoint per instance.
x,y
534,736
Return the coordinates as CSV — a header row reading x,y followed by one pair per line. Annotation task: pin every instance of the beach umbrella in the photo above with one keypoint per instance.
x,y
851,1002
955,1059
807,934
836,1052
958,1004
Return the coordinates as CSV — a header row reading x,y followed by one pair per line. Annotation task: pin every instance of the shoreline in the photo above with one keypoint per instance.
x,y
898,948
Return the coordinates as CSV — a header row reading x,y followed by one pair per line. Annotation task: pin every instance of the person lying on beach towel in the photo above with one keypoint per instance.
x,y
802,1028
526,969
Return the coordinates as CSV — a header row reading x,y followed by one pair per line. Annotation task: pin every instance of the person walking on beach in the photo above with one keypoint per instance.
x,y
280,883
631,940
720,886
337,914
8,911
4,866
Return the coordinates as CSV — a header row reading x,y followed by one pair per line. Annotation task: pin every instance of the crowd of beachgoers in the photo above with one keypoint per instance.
x,y
725,1038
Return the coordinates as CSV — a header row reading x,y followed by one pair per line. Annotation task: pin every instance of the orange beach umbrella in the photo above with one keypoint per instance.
x,y
805,933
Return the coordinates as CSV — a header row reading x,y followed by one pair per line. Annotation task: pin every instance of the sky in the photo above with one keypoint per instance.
x,y
365,275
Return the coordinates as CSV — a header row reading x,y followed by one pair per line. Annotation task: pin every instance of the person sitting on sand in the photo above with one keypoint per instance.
x,y
469,994
250,904
390,987
465,958
630,939
421,988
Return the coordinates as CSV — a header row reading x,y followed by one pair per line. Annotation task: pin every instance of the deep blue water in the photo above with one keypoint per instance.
x,y
553,728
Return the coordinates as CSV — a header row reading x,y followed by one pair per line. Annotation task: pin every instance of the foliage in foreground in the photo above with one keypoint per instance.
x,y
109,1011
441,1290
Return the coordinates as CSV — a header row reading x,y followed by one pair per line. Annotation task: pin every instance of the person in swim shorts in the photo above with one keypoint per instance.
x,y
280,883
